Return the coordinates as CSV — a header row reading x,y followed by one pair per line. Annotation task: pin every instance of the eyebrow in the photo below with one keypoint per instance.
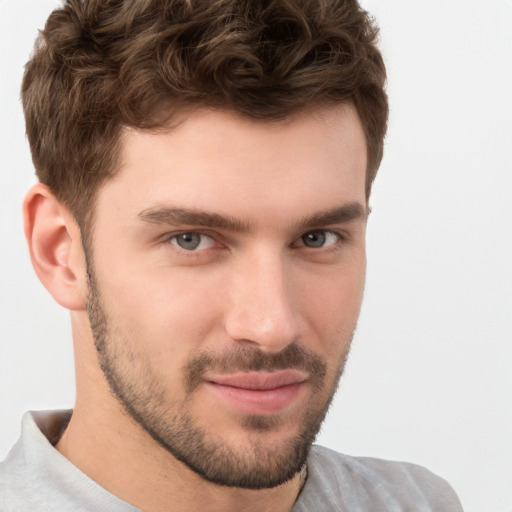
x,y
341,214
185,216
192,217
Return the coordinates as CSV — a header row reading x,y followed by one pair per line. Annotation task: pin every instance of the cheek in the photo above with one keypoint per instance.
x,y
164,313
332,308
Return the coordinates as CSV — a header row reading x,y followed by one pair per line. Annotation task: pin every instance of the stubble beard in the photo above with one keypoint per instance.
x,y
261,463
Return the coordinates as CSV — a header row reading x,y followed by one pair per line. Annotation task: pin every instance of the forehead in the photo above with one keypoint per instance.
x,y
219,161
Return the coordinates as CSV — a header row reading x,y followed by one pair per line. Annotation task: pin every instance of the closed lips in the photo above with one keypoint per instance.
x,y
259,381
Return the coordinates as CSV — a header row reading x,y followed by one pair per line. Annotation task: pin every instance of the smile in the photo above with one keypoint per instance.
x,y
259,392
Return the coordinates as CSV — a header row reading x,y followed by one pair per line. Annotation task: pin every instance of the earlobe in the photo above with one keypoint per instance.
x,y
55,247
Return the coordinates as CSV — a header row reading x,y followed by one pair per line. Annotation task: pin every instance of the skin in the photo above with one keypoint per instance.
x,y
251,286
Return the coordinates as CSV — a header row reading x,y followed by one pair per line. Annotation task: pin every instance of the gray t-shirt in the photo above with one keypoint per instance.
x,y
35,477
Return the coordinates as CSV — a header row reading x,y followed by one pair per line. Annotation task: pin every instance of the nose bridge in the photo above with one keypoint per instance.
x,y
262,309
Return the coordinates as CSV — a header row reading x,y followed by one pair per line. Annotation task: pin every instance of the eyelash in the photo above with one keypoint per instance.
x,y
340,236
168,239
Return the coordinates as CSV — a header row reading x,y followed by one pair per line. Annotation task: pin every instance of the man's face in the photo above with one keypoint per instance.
x,y
227,264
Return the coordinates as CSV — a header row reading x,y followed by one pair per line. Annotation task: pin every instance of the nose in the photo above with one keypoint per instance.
x,y
262,308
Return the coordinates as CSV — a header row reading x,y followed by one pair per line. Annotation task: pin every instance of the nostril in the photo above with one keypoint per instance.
x,y
262,310
271,332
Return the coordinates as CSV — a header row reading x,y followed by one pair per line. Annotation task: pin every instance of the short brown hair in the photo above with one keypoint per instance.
x,y
99,65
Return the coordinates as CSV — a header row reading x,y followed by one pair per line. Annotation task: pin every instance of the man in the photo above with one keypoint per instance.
x,y
205,169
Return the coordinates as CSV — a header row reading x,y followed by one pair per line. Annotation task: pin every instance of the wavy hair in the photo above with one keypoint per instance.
x,y
99,65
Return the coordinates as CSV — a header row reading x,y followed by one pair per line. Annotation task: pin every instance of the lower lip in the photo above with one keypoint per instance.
x,y
252,401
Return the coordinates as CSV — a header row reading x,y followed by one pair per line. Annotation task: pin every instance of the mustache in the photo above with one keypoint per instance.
x,y
248,359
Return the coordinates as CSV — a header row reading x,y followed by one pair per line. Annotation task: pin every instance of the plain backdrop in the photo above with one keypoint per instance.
x,y
429,378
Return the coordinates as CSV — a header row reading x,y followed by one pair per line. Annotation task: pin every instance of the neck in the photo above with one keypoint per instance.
x,y
108,446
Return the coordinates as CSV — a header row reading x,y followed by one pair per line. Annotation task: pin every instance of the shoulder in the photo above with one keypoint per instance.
x,y
15,486
338,481
36,477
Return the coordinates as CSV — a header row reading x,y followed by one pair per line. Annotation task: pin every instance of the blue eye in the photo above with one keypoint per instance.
x,y
192,241
320,238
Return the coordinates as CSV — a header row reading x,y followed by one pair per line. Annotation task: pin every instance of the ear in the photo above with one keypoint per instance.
x,y
55,246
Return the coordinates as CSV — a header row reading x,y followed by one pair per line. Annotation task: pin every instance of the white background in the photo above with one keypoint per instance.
x,y
429,379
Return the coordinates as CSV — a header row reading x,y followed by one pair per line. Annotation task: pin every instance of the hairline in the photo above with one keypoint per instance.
x,y
172,117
